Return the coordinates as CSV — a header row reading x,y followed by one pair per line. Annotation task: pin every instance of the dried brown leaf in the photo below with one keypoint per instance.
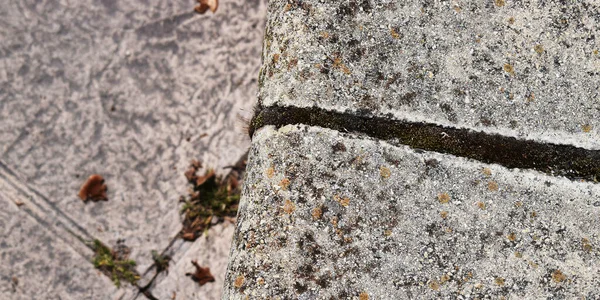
x,y
202,179
206,5
93,189
202,275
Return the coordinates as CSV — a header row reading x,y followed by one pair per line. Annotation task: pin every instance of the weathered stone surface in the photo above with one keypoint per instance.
x,y
131,90
331,215
522,68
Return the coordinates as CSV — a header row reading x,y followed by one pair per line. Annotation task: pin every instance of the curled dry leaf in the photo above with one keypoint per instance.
x,y
202,179
202,275
93,189
206,5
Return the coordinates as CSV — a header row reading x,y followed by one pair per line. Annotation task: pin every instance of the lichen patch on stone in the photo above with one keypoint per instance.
x,y
443,198
239,281
289,206
385,172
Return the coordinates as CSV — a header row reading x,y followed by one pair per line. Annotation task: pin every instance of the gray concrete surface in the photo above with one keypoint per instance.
x,y
337,215
39,256
131,90
329,215
526,68
209,251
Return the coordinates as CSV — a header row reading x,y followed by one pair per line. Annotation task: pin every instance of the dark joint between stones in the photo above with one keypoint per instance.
x,y
559,160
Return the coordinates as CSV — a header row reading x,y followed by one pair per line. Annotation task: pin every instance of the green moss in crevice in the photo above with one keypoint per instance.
x,y
211,199
554,159
114,265
161,261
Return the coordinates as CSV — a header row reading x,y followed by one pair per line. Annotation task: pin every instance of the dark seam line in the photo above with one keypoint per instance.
x,y
559,160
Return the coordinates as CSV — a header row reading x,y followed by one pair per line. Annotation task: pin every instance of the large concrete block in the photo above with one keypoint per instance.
x,y
528,69
330,215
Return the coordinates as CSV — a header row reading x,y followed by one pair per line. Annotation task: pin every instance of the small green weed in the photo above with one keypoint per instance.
x,y
114,265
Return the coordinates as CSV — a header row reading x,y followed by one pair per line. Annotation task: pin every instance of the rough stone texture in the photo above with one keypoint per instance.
x,y
396,223
132,90
522,68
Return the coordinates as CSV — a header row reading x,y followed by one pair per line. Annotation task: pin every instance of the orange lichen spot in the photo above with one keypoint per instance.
x,y
481,205
448,230
478,40
434,285
532,264
518,254
337,63
385,172
499,3
511,20
239,281
334,221
499,281
508,68
270,172
539,48
518,204
316,213
292,64
492,186
444,214
487,171
444,198
260,281
357,160
479,286
387,232
346,70
530,97
275,58
394,34
457,8
325,34
289,207
363,296
287,7
586,128
533,214
284,183
444,278
558,276
93,189
596,52
468,277
586,245
511,237
345,201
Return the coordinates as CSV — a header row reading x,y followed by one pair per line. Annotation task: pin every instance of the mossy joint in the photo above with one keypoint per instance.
x,y
117,268
560,160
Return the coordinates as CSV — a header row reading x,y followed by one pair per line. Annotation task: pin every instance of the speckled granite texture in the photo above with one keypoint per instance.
x,y
521,68
132,90
327,215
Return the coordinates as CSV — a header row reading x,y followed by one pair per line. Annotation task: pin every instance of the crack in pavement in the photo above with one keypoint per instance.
x,y
569,161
